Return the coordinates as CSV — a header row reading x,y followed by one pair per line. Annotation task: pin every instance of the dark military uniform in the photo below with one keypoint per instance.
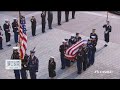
x,y
51,68
6,28
66,16
50,19
85,56
24,67
16,72
108,29
33,66
73,14
89,46
80,59
71,41
62,50
59,17
77,39
43,16
15,30
33,26
1,38
95,40
93,52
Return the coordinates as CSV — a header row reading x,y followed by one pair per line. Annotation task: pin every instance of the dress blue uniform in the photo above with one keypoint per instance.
x,y
80,59
33,65
15,30
16,55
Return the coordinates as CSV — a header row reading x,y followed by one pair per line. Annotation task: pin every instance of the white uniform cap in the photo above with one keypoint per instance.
x,y
14,18
93,37
6,20
64,41
51,57
15,48
72,35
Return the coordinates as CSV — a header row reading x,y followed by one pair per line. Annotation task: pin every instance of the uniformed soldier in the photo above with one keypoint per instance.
x,y
85,56
24,67
108,29
89,46
72,40
16,55
33,64
6,28
33,25
43,16
66,16
50,19
77,37
93,52
80,59
1,38
73,14
62,50
67,46
94,36
15,30
59,17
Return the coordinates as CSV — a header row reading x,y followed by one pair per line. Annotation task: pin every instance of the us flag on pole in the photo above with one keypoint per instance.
x,y
23,38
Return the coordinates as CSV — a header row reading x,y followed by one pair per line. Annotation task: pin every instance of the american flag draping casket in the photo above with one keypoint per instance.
x,y
71,52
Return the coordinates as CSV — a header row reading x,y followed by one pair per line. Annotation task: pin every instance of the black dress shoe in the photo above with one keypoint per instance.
x,y
59,24
78,72
62,68
1,48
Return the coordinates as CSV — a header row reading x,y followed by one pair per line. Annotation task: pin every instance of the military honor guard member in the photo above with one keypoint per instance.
x,y
94,37
43,16
50,19
16,55
1,38
59,17
33,64
62,50
52,67
33,25
15,29
80,59
77,37
108,29
24,66
6,28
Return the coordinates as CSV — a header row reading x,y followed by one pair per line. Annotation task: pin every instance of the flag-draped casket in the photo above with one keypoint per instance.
x,y
71,52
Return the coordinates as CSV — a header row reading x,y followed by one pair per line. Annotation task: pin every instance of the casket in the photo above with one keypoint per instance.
x,y
71,52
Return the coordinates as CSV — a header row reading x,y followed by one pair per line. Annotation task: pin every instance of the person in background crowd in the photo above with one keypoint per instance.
x,y
6,28
1,38
15,30
50,19
43,16
33,25
59,17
